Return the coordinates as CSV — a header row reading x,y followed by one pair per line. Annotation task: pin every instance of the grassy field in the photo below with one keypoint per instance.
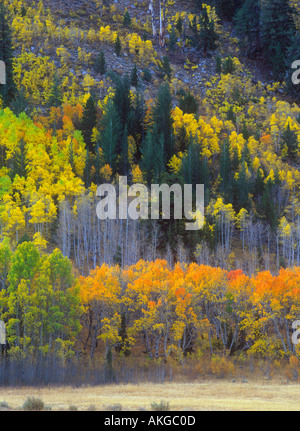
x,y
211,395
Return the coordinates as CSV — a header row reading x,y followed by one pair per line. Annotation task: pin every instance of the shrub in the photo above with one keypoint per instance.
x,y
221,367
163,406
4,405
33,404
147,75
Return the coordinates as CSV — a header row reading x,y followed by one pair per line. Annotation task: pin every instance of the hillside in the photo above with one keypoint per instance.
x,y
172,92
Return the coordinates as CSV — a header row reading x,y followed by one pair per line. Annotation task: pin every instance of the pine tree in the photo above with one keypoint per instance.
x,y
111,135
188,103
118,46
206,37
55,98
172,40
100,63
87,170
290,141
278,31
248,27
134,79
163,120
19,161
127,19
88,122
7,91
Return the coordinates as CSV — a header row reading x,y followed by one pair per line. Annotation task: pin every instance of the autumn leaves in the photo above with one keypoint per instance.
x,y
190,307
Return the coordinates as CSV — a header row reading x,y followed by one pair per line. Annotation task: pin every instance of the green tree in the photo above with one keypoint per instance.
x,y
206,37
111,135
7,91
162,115
126,19
88,122
56,98
289,140
100,63
118,46
19,161
134,79
278,31
248,27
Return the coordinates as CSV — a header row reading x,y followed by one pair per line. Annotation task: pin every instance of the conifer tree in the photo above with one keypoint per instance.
x,y
290,141
111,135
118,46
19,162
134,79
88,122
100,63
55,98
7,91
278,31
206,37
248,27
163,120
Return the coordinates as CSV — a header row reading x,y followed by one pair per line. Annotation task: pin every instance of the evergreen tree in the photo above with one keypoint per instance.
x,y
88,122
289,140
227,8
87,170
165,67
55,98
206,37
7,91
188,104
172,40
134,79
19,162
248,27
122,98
100,63
118,46
19,103
111,135
225,171
278,31
163,120
127,19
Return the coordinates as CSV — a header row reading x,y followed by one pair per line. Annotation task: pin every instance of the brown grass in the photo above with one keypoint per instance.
x,y
212,395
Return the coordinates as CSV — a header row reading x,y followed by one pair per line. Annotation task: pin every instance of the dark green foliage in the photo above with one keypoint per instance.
x,y
248,27
111,135
228,66
179,25
89,121
56,98
206,37
87,170
7,91
163,120
218,64
122,99
134,79
290,141
227,8
100,63
19,103
188,103
19,161
126,19
278,31
225,171
118,46
147,75
165,67
172,40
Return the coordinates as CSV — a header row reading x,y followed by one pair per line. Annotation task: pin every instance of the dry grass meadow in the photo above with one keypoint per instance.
x,y
212,395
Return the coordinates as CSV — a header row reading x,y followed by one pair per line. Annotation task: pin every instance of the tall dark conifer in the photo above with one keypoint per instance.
x,y
7,91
